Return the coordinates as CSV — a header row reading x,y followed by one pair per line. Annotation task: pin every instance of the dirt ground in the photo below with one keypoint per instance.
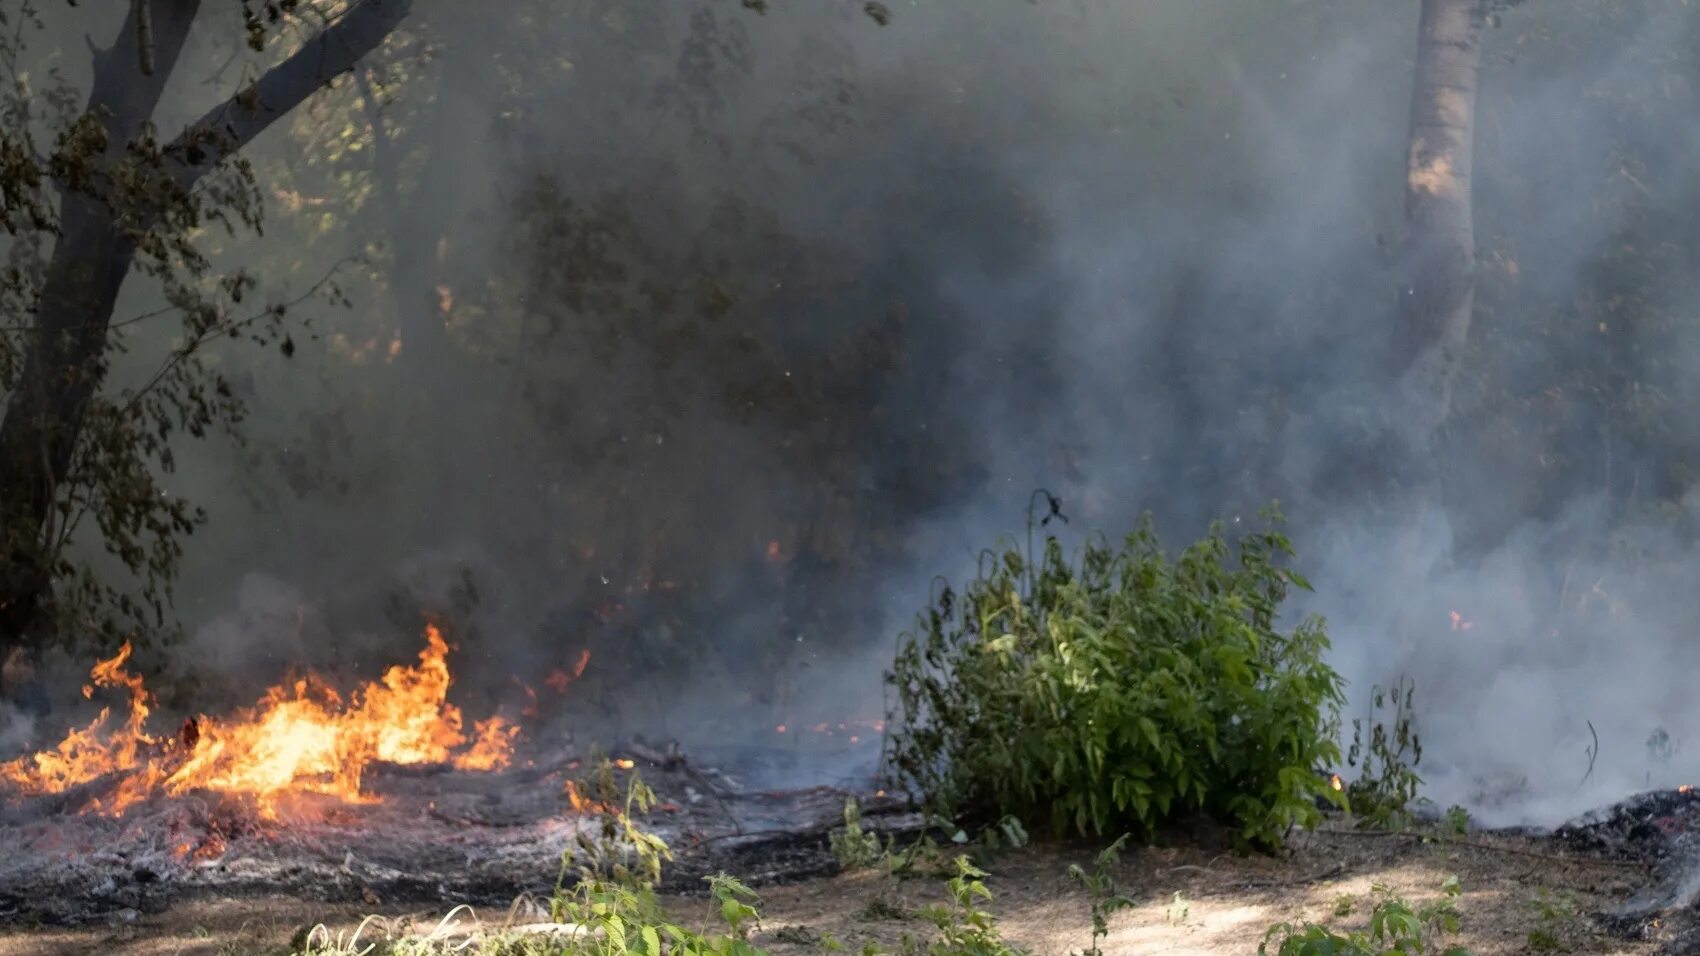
x,y
1190,902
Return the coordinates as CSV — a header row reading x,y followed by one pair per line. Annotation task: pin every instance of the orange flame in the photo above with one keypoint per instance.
x,y
1334,781
300,737
493,745
558,680
1459,621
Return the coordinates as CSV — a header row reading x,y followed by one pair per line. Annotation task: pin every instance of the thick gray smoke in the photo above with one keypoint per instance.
x,y
1139,254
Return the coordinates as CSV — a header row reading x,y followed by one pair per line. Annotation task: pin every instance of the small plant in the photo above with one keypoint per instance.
x,y
1457,820
1556,914
618,844
885,907
1178,909
1119,690
1396,929
1343,905
922,858
1100,886
963,928
798,936
1660,747
1389,754
853,847
1008,834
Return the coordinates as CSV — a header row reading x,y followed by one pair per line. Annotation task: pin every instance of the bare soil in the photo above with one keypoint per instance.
x,y
1191,901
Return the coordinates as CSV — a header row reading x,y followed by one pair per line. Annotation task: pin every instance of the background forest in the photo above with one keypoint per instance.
x,y
700,335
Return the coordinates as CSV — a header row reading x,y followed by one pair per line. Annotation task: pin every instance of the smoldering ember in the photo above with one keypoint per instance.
x,y
744,477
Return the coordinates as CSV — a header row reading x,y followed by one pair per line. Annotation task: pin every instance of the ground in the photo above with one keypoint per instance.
x,y
1191,901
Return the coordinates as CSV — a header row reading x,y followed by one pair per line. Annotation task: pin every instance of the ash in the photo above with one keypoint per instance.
x,y
430,834
1661,828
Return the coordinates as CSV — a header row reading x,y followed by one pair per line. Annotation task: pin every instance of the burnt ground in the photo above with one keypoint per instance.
x,y
432,833
197,876
1192,900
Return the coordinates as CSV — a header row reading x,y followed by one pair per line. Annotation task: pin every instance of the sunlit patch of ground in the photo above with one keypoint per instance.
x,y
1224,903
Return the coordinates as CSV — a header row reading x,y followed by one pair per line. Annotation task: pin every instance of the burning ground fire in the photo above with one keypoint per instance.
x,y
301,737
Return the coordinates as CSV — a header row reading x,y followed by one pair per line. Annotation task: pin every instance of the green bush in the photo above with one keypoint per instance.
x,y
1118,690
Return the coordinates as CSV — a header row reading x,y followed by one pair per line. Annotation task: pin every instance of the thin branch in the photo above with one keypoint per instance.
x,y
235,325
1593,754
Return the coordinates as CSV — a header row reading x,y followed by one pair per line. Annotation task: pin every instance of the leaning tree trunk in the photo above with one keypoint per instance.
x,y
65,356
1439,256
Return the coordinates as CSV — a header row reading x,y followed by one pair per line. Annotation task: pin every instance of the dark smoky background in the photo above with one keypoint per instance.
x,y
701,339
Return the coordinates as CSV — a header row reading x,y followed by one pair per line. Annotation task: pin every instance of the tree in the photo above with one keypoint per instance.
x,y
1438,291
127,201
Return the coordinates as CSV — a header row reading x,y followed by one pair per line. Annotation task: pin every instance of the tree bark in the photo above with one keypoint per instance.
x,y
64,361
1439,254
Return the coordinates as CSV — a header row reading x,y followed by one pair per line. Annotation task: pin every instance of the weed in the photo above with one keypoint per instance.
x,y
798,936
1343,905
1178,909
1100,885
922,858
1119,690
885,908
1457,821
1396,929
1389,754
1556,914
963,928
853,847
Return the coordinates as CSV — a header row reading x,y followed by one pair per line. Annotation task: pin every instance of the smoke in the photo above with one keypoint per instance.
x,y
757,323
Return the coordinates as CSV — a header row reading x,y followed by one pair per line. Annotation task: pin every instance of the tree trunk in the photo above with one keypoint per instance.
x,y
65,357
1439,255
65,353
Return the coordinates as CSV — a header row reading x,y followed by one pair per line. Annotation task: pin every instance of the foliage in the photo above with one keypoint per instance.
x,y
1396,929
607,894
853,847
1119,690
619,849
1556,914
1100,886
113,507
1388,782
1457,820
963,928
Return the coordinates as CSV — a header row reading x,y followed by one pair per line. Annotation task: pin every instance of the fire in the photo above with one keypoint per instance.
x,y
492,747
1459,621
558,680
1334,781
300,737
1685,788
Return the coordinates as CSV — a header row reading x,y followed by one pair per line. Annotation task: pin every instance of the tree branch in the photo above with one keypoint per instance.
x,y
231,125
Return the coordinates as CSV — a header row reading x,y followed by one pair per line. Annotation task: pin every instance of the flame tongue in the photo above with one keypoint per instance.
x,y
298,738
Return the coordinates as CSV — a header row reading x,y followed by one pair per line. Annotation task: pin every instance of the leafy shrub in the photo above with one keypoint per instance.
x,y
1119,690
1395,929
